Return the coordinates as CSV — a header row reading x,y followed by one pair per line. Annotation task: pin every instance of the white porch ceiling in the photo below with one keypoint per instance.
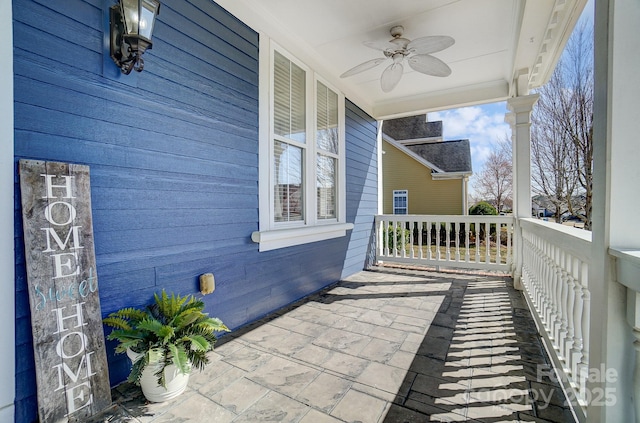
x,y
503,47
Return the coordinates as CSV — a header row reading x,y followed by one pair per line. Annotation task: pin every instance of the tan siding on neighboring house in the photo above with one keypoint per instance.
x,y
426,196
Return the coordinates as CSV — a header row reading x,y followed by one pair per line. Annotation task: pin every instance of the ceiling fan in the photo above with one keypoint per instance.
x,y
417,52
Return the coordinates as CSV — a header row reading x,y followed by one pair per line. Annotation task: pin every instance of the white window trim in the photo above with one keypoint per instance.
x,y
272,235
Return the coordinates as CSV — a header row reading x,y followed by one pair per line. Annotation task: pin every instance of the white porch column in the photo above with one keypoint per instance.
x,y
616,200
7,278
520,121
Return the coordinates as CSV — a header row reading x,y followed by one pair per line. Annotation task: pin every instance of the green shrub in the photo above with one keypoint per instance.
x,y
484,209
393,235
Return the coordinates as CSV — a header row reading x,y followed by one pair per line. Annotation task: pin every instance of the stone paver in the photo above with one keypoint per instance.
x,y
382,346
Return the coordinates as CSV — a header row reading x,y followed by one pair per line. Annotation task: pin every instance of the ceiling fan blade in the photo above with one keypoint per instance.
x,y
380,45
429,65
363,67
427,45
391,76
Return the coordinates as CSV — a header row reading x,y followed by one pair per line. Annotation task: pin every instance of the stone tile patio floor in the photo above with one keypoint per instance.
x,y
387,345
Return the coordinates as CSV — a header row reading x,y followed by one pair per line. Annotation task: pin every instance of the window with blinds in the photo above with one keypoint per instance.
x,y
302,153
327,142
289,123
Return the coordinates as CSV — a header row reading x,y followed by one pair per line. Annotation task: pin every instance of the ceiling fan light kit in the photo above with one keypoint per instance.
x,y
417,52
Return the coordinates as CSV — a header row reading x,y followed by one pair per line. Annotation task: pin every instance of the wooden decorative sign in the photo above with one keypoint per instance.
x,y
68,341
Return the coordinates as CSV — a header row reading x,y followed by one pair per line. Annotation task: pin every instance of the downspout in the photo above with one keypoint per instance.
x,y
465,196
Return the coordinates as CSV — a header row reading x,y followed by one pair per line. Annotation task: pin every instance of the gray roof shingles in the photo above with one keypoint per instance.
x,y
450,156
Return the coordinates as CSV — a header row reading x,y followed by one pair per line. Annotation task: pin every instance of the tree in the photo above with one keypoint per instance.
x,y
495,182
562,131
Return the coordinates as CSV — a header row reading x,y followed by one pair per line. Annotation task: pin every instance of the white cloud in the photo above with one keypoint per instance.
x,y
483,126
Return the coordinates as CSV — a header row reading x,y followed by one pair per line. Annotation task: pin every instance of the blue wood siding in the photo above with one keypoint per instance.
x,y
173,155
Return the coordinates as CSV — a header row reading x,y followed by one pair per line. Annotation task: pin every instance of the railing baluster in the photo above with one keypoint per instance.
x,y
429,254
447,228
498,243
487,243
467,231
478,239
437,227
578,339
420,224
382,230
568,342
509,230
457,235
583,366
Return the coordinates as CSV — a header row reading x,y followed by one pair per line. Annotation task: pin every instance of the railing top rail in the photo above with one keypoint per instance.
x,y
575,241
443,218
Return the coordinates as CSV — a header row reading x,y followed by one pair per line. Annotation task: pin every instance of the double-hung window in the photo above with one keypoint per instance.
x,y
302,153
400,201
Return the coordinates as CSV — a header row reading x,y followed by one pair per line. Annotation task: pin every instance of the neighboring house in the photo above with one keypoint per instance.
x,y
542,206
421,173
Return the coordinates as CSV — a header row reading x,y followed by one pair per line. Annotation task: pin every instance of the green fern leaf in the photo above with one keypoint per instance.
x,y
199,343
180,359
116,322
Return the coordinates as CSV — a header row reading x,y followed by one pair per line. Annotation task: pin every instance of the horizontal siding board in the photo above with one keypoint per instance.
x,y
132,280
191,23
88,106
85,13
72,17
235,27
226,79
102,124
125,100
76,58
128,219
187,235
110,197
175,182
188,99
84,152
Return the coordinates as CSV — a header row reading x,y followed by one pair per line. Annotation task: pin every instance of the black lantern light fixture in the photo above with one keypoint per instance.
x,y
131,23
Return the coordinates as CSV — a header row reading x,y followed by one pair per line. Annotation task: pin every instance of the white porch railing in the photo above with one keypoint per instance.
x,y
476,242
555,279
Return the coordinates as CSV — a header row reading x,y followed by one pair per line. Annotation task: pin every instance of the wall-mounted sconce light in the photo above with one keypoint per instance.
x,y
131,23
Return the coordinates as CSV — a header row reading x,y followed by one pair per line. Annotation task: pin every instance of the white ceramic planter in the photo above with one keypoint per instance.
x,y
175,381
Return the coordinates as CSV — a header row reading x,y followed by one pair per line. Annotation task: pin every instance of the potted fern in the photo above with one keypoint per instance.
x,y
164,341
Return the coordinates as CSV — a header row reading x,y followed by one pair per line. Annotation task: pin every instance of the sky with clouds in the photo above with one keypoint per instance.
x,y
482,125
